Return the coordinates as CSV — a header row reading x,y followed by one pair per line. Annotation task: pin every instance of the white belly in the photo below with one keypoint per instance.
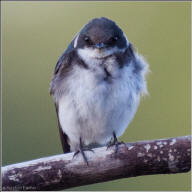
x,y
93,108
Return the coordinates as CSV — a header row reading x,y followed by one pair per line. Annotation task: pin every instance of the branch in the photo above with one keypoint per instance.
x,y
171,155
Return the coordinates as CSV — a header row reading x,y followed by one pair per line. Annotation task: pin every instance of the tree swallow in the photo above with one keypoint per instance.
x,y
96,87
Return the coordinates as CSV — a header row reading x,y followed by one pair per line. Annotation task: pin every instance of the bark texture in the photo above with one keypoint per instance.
x,y
163,156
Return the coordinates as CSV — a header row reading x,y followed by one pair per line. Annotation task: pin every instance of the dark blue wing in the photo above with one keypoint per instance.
x,y
69,49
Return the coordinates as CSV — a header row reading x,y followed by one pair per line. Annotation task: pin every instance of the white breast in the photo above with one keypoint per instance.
x,y
93,108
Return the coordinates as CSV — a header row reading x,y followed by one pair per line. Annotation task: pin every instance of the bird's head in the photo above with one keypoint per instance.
x,y
101,37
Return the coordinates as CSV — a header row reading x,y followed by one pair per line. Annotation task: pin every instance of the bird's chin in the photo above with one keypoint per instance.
x,y
101,53
96,53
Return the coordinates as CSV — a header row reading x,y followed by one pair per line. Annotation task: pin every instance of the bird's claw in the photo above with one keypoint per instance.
x,y
115,143
83,154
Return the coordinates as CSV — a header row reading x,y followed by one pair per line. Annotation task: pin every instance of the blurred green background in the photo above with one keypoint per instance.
x,y
34,35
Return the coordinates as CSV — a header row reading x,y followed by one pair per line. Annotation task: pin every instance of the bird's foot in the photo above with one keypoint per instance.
x,y
83,154
115,143
81,150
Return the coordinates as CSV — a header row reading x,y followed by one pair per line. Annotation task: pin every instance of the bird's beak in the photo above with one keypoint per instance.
x,y
100,45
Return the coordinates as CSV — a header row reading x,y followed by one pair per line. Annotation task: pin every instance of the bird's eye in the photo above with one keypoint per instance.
x,y
86,39
112,40
115,38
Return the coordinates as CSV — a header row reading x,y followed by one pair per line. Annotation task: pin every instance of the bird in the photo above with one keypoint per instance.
x,y
96,87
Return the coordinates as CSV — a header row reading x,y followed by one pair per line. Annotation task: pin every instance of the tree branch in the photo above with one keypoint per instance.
x,y
171,155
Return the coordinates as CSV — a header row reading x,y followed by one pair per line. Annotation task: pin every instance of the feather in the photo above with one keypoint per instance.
x,y
64,138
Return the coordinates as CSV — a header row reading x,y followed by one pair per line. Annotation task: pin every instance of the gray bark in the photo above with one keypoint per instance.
x,y
163,156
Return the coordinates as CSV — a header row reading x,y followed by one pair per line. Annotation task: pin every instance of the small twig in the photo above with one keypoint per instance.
x,y
171,155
